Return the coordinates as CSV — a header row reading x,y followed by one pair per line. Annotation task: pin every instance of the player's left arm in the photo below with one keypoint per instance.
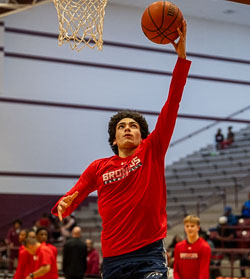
x,y
73,198
205,256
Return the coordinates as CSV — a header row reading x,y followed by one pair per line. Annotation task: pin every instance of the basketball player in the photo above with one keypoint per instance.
x,y
22,269
131,186
42,237
44,266
192,256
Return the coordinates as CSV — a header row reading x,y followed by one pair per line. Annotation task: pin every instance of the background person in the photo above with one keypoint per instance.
x,y
93,259
25,261
13,242
75,255
45,266
223,236
219,138
232,220
42,237
245,211
192,256
230,138
44,221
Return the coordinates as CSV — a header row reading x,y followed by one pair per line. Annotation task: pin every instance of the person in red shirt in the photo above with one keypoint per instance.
x,y
192,256
25,260
25,265
42,237
92,259
131,186
22,236
45,266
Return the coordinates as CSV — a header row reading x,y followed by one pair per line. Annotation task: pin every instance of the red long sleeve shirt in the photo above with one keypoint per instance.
x,y
45,256
53,249
132,190
192,260
25,264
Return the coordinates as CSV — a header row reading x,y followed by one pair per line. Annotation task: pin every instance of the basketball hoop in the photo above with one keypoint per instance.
x,y
81,23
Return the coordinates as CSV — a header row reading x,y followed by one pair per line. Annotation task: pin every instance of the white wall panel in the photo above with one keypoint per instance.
x,y
1,57
57,140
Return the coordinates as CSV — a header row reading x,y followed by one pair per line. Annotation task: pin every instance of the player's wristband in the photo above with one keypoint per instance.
x,y
31,275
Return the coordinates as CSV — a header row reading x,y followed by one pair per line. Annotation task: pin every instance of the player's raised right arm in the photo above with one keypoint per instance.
x,y
166,121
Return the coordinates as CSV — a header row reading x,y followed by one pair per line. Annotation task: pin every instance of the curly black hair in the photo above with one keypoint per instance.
x,y
126,114
42,229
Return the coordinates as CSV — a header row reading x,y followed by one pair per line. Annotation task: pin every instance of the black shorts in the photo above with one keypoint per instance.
x,y
148,262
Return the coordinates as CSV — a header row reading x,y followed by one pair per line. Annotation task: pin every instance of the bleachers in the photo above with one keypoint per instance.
x,y
204,176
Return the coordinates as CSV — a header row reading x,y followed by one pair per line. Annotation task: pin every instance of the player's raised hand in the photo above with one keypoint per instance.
x,y
64,203
180,46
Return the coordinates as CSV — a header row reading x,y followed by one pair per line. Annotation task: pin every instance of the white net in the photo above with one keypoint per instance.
x,y
81,22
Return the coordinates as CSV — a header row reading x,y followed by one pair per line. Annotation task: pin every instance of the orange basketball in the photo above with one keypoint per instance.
x,y
160,21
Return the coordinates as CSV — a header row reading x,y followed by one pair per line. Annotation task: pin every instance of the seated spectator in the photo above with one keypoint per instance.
x,y
230,134
219,138
232,220
246,208
230,139
223,235
92,259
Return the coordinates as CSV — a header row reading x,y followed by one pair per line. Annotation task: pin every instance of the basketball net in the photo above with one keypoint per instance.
x,y
81,23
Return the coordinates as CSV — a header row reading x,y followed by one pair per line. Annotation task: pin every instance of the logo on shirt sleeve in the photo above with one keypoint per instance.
x,y
121,173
